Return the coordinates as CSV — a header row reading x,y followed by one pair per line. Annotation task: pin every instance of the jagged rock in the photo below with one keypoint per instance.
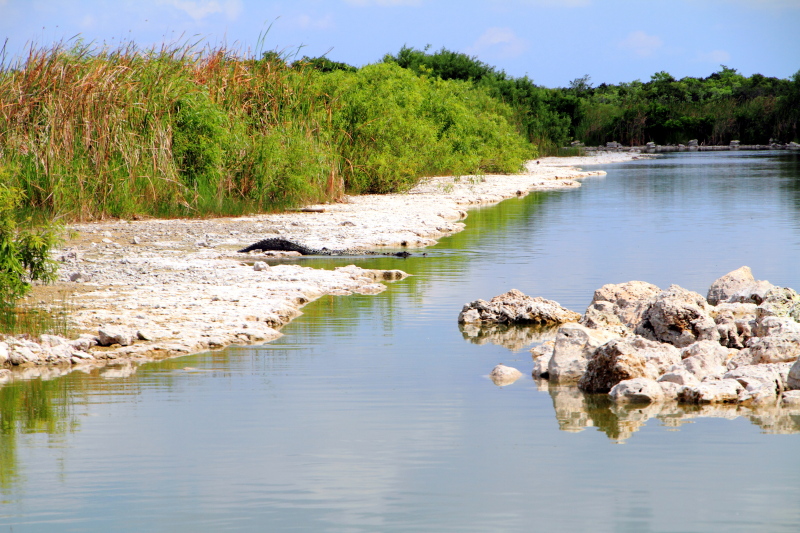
x,y
793,379
780,301
601,315
637,390
3,353
79,277
716,391
776,348
503,375
763,383
679,317
735,323
767,326
541,359
108,336
625,359
574,344
260,265
84,342
628,302
679,376
515,307
705,359
730,284
754,293
19,355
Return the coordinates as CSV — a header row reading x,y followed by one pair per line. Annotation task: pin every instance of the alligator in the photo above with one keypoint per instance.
x,y
278,244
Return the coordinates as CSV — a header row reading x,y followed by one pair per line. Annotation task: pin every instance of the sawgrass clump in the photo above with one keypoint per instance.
x,y
187,130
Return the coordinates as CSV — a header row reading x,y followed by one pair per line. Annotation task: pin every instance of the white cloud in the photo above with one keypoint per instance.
x,y
498,42
365,3
641,44
714,56
315,23
200,9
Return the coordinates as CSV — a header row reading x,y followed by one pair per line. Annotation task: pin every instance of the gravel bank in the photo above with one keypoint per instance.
x,y
165,288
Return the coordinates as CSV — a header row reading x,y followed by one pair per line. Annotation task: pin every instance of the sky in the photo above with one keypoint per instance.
x,y
550,41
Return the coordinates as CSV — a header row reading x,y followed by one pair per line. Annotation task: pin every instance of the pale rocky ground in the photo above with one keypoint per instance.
x,y
163,288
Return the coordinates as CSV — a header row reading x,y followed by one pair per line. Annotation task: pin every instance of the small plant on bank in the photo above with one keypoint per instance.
x,y
24,253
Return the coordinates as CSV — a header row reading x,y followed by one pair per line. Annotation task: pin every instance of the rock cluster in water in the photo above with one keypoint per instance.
x,y
515,307
639,343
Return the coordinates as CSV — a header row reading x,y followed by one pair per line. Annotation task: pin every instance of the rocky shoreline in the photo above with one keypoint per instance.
x,y
640,344
151,289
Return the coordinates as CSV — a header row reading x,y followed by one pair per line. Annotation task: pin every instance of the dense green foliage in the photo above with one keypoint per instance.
x,y
715,110
178,132
23,252
535,109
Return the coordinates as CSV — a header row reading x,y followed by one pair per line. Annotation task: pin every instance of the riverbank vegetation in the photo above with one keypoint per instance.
x,y
90,132
722,107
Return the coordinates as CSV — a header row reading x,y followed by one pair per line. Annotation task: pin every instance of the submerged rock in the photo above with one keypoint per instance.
x,y
503,375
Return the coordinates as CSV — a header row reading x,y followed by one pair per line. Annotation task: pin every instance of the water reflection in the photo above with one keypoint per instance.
x,y
577,411
375,412
513,337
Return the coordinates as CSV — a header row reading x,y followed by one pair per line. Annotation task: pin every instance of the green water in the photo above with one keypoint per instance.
x,y
374,413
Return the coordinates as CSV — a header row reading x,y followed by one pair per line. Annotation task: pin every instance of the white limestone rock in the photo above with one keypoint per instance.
x,y
109,336
574,344
541,359
705,359
776,348
637,390
780,301
503,375
679,317
514,307
729,284
625,301
625,359
715,391
679,376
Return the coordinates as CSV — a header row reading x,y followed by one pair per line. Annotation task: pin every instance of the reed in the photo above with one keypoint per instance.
x,y
88,132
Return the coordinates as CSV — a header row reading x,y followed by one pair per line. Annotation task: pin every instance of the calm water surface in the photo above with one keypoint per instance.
x,y
374,413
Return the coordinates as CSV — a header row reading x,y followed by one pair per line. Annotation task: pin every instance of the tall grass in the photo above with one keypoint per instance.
x,y
189,130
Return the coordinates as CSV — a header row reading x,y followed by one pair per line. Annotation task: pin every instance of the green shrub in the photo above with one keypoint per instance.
x,y
23,252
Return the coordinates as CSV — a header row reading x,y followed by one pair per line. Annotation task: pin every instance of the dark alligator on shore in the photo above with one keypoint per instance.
x,y
277,244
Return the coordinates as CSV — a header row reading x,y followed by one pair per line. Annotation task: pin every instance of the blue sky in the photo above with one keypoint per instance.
x,y
551,41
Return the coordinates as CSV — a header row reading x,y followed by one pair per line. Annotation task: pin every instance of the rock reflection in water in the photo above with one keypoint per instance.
x,y
576,411
514,337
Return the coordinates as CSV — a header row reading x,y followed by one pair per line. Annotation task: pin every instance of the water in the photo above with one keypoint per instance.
x,y
374,413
